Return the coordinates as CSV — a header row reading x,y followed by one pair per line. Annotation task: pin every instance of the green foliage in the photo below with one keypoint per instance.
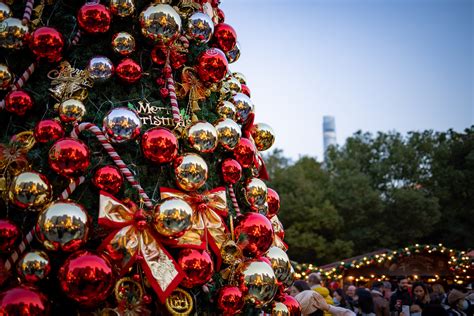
x,y
378,191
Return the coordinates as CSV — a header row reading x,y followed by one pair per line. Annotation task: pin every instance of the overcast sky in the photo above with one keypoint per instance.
x,y
376,65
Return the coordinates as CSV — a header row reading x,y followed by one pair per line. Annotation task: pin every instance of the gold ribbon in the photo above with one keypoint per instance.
x,y
193,87
208,227
134,239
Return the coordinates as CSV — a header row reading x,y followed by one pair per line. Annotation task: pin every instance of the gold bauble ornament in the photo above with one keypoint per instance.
x,y
228,133
263,136
71,110
202,136
63,225
233,85
234,54
6,77
12,33
281,264
173,217
30,189
5,11
123,43
244,106
239,76
226,109
256,193
160,23
258,282
34,266
122,8
190,171
280,309
179,302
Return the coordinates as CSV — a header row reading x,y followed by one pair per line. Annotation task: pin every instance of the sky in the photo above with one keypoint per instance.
x,y
376,65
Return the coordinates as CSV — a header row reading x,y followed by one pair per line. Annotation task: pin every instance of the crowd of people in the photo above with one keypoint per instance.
x,y
402,298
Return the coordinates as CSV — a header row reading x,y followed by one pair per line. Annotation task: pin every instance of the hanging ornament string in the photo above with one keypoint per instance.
x,y
115,157
28,238
28,11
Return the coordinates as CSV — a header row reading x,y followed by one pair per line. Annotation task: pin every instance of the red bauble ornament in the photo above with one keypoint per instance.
x,y
69,157
230,300
245,90
177,59
197,267
220,15
18,102
46,42
231,171
225,37
164,92
86,278
245,152
254,234
291,303
129,71
159,145
273,201
108,178
9,233
48,130
212,65
23,301
94,18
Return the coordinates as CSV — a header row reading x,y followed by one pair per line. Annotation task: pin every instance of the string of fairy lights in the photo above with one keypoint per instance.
x,y
460,264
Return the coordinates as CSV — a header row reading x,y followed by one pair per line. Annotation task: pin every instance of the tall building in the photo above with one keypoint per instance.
x,y
329,132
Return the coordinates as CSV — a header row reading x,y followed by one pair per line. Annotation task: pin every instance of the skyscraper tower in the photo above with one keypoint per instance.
x,y
329,132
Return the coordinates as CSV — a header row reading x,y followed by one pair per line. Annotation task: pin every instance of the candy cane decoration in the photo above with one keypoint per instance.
x,y
26,241
170,85
28,11
234,199
21,81
115,157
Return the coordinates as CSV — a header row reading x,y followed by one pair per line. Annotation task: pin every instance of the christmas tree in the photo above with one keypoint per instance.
x,y
132,180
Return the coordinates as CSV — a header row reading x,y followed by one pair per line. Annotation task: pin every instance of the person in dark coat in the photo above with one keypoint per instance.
x,y
381,305
401,297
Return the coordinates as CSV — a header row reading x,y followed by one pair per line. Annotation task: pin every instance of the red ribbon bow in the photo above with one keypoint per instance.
x,y
134,239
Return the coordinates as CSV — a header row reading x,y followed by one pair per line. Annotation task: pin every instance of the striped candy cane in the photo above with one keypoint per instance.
x,y
234,199
28,238
28,11
115,157
21,81
170,85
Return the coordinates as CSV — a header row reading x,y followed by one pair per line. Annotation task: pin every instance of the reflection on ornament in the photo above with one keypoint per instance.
x,y
100,68
122,8
199,27
6,76
160,23
71,111
121,124
34,266
123,43
30,190
12,33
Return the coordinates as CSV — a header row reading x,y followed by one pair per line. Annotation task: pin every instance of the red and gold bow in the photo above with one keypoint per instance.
x,y
208,227
13,155
134,239
279,233
192,87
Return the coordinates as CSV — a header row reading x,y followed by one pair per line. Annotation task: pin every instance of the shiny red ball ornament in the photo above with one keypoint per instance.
x,y
212,65
220,15
94,18
159,145
86,278
231,171
254,234
177,59
23,301
245,90
197,267
273,201
48,130
291,303
47,43
69,157
245,152
225,37
230,300
9,233
108,178
18,102
129,71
